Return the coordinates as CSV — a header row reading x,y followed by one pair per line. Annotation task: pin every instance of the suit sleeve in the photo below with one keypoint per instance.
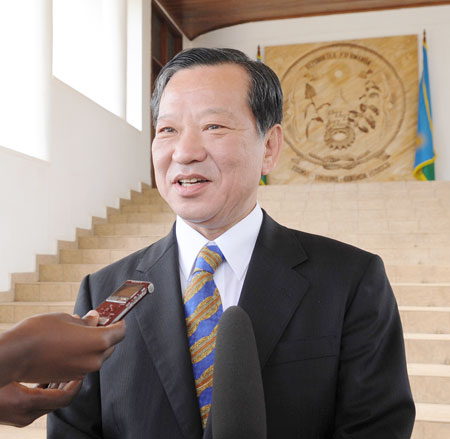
x,y
374,397
82,418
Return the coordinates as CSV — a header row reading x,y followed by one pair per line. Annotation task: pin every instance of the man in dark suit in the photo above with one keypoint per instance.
x,y
325,319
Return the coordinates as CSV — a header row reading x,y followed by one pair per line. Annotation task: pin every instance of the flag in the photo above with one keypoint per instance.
x,y
263,180
425,156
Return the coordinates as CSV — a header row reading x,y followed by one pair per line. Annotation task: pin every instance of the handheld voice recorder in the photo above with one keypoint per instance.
x,y
122,301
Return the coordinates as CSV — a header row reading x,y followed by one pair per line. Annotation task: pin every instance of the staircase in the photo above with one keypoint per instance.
x,y
406,223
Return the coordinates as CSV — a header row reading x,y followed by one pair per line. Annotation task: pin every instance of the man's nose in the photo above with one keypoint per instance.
x,y
189,148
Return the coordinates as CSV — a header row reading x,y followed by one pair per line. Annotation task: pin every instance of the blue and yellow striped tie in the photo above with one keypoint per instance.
x,y
203,308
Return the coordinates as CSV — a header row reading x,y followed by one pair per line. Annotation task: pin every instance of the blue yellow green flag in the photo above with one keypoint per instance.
x,y
263,180
425,156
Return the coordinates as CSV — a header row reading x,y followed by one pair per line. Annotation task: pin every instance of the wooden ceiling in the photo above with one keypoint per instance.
x,y
195,17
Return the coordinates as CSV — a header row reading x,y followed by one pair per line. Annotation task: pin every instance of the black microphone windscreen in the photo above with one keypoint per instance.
x,y
238,407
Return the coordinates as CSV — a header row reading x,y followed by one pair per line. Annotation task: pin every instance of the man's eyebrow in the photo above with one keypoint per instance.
x,y
216,110
206,112
164,116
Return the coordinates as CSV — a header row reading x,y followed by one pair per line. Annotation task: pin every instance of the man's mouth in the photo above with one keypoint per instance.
x,y
191,181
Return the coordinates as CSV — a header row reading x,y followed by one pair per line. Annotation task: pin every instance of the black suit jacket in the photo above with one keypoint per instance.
x,y
328,334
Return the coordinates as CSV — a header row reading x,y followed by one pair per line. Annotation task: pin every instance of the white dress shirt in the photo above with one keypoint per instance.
x,y
237,246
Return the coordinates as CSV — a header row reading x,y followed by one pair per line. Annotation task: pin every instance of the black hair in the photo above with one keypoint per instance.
x,y
265,96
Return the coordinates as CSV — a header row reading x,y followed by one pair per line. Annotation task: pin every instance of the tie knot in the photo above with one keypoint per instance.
x,y
209,258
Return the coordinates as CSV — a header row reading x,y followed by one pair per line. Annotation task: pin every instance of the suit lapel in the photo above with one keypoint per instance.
x,y
162,322
272,290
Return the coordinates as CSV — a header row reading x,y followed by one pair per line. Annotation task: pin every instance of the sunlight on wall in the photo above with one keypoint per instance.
x,y
23,104
134,63
97,50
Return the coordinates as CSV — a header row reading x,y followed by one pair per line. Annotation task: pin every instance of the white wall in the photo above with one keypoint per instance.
x,y
95,158
21,103
435,20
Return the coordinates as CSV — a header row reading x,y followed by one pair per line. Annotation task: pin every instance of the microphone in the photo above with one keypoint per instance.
x,y
238,408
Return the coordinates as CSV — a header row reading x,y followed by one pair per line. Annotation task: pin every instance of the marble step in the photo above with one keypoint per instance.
x,y
355,221
4,327
430,383
36,430
29,432
131,243
47,291
416,273
323,200
422,294
401,190
411,256
383,199
371,206
92,256
432,421
13,312
143,198
145,208
66,272
364,218
149,217
148,192
427,348
132,229
404,240
425,319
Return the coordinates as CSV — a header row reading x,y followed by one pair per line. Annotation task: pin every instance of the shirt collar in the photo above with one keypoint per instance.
x,y
236,244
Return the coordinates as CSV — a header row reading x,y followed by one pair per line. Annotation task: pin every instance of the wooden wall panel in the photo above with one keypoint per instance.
x,y
195,17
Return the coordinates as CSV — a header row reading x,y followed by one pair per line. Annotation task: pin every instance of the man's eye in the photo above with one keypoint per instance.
x,y
166,130
214,126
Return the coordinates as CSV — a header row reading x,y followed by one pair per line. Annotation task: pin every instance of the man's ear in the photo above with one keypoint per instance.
x,y
273,143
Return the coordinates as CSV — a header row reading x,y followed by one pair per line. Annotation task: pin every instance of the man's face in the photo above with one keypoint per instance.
x,y
207,152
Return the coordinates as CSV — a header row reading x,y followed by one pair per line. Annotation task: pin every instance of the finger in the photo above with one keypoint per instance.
x,y
116,332
92,317
72,386
63,385
45,400
59,385
18,404
29,417
107,353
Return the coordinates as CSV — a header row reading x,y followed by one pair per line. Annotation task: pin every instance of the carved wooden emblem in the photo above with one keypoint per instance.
x,y
349,109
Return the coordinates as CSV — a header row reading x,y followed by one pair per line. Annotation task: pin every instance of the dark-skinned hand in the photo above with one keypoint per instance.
x,y
50,348
56,348
21,405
